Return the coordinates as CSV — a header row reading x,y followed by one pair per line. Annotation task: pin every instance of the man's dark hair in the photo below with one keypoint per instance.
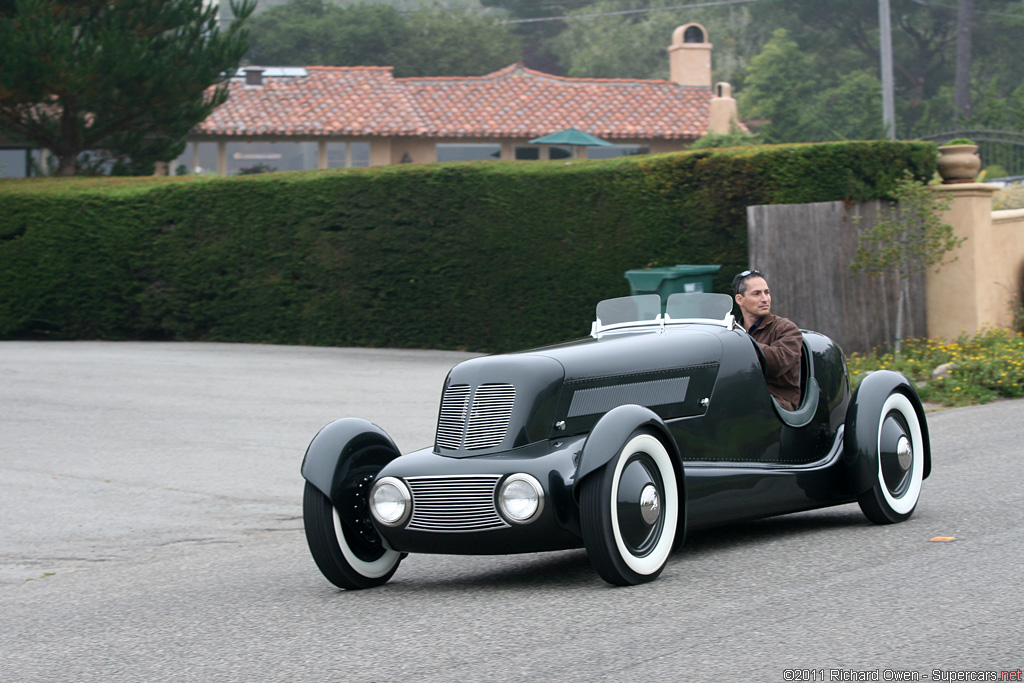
x,y
739,283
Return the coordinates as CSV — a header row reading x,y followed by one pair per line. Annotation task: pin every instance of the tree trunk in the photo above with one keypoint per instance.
x,y
902,303
65,166
962,83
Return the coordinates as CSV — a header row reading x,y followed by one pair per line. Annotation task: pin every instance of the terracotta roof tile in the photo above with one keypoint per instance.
x,y
512,102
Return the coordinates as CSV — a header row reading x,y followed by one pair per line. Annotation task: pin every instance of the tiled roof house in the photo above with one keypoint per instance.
x,y
324,117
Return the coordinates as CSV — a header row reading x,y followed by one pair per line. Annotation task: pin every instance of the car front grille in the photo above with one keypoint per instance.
x,y
475,419
454,504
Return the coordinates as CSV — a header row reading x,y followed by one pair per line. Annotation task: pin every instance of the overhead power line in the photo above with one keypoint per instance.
x,y
628,11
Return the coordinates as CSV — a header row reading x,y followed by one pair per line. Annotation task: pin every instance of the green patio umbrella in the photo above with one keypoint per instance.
x,y
573,137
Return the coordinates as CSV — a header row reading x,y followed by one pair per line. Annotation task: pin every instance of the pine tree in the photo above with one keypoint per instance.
x,y
127,78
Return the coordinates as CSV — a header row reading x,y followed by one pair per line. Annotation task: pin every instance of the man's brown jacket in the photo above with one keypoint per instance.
x,y
780,340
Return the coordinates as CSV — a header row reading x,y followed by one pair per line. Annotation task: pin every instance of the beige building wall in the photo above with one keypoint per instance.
x,y
412,151
380,152
976,290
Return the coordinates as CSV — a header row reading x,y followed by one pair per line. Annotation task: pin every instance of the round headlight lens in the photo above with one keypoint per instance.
x,y
390,501
521,498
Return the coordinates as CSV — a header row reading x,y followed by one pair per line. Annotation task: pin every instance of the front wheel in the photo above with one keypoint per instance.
x,y
629,512
349,558
900,449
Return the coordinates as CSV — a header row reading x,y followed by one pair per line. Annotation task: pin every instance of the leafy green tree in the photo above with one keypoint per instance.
x,y
633,45
785,88
430,41
536,36
779,83
321,33
924,39
445,42
128,77
838,56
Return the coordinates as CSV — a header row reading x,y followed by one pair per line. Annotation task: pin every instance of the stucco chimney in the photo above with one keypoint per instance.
x,y
689,56
722,113
253,77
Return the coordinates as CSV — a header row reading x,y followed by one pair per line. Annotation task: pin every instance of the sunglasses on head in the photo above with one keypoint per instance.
x,y
748,273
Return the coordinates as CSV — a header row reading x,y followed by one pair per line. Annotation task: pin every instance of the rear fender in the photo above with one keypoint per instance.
x,y
860,439
343,459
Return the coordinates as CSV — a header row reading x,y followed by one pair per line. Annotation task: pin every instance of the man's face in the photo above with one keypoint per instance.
x,y
756,302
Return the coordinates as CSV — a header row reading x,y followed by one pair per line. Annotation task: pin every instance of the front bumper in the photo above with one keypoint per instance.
x,y
441,522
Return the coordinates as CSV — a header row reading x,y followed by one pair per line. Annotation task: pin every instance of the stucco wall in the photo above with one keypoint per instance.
x,y
977,289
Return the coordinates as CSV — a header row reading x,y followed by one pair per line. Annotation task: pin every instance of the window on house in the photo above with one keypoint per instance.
x,y
187,162
13,163
543,153
278,156
527,153
468,151
347,154
616,151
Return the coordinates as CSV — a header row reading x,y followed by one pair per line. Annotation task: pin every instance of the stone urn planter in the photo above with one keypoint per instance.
x,y
958,163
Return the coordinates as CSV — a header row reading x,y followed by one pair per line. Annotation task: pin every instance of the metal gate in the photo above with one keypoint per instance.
x,y
996,147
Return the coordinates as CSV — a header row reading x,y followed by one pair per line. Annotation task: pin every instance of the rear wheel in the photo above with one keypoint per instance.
x,y
349,558
900,451
629,512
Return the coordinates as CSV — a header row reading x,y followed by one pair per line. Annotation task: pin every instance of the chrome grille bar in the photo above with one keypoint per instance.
x,y
474,419
454,504
489,415
452,420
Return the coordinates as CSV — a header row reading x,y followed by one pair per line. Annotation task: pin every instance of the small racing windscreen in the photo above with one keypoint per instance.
x,y
698,305
629,309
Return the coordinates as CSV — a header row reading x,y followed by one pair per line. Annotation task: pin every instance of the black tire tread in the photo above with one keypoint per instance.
x,y
594,520
318,518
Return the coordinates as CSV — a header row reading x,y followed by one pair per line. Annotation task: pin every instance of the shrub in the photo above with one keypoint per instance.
x,y
488,256
978,368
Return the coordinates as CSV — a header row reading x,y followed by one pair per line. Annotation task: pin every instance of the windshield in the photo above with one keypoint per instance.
x,y
646,307
698,305
645,310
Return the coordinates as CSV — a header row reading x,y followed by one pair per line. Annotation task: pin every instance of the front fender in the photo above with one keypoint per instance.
x,y
860,440
610,434
344,452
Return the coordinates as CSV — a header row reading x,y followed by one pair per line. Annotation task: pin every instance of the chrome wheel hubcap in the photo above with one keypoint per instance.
x,y
904,453
650,504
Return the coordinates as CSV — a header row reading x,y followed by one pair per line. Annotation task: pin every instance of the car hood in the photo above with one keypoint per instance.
x,y
498,403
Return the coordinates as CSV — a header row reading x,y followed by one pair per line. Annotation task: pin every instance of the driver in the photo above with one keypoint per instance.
x,y
779,338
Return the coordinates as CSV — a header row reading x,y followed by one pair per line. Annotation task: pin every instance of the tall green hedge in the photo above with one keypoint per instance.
x,y
484,256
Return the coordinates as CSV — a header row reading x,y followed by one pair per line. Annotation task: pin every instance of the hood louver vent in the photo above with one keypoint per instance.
x,y
475,419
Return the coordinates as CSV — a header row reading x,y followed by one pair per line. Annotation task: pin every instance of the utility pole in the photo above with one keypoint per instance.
x,y
962,82
885,40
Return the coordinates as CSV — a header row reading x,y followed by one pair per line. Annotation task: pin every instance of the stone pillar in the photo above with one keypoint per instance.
x,y
969,293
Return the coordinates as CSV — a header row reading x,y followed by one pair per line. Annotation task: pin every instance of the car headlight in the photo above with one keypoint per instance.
x,y
390,501
521,498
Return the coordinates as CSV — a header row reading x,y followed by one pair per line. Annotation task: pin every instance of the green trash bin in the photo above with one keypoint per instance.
x,y
671,280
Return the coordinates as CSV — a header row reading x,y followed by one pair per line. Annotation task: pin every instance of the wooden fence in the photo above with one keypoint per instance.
x,y
805,251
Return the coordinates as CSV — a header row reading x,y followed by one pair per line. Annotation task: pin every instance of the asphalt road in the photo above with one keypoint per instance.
x,y
150,530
